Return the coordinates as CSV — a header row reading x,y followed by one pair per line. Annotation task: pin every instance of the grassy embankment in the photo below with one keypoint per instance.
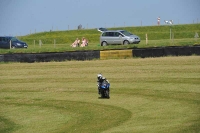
x,y
151,95
157,36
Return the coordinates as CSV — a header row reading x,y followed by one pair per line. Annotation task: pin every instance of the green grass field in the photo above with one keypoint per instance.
x,y
158,36
150,95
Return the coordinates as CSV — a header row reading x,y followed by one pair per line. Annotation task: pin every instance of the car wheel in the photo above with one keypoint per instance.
x,y
13,47
104,44
126,42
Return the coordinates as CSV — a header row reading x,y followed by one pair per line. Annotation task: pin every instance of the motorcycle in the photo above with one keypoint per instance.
x,y
104,89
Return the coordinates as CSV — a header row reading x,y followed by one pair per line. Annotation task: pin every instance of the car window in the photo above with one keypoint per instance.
x,y
7,39
3,39
116,34
110,33
107,34
126,33
14,39
104,34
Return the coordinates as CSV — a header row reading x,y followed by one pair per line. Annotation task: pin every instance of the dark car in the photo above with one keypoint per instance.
x,y
11,42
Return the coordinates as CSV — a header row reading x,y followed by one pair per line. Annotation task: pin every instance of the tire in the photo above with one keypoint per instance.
x,y
13,47
126,42
107,94
104,44
102,94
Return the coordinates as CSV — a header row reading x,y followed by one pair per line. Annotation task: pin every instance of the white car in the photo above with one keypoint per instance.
x,y
118,37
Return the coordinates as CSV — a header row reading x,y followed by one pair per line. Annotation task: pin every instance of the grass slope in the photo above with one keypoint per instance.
x,y
158,36
154,33
147,95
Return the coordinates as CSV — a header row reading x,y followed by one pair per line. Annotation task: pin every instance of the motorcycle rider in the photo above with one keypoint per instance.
x,y
100,80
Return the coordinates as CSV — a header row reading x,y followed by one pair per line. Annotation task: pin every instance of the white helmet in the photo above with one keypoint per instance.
x,y
99,76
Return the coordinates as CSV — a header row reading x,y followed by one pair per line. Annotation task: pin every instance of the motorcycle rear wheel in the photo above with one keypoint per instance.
x,y
107,94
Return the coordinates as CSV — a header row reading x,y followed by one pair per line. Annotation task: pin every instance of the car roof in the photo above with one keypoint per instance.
x,y
113,30
7,36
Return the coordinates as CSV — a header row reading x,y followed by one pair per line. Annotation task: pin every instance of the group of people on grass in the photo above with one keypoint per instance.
x,y
76,43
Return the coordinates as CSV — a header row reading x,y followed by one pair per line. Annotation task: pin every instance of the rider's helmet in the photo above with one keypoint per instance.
x,y
99,76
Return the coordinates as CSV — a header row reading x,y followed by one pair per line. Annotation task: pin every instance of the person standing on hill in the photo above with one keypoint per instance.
x,y
158,19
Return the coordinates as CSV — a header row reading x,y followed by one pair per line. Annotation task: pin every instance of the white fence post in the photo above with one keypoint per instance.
x,y
173,38
196,36
146,39
40,43
10,44
170,33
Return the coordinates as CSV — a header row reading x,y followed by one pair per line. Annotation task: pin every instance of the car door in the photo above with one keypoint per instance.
x,y
3,43
118,38
109,37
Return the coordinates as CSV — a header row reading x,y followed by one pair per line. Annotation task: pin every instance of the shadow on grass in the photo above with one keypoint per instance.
x,y
103,97
8,126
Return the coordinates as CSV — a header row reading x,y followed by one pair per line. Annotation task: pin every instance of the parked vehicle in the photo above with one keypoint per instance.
x,y
101,29
118,37
11,42
105,90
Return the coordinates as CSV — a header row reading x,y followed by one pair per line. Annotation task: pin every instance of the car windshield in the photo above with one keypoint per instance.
x,y
126,33
13,39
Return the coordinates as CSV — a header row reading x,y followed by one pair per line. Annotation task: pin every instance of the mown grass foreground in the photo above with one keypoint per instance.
x,y
151,95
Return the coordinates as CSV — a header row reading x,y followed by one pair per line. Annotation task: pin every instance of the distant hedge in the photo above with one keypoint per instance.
x,y
106,54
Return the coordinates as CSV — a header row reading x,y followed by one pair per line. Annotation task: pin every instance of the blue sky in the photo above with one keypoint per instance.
x,y
22,17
